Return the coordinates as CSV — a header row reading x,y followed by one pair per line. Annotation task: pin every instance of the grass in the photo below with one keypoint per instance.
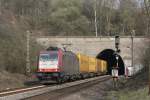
x,y
134,88
140,94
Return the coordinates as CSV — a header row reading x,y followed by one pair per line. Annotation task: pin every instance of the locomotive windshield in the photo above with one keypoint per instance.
x,y
53,56
49,57
44,57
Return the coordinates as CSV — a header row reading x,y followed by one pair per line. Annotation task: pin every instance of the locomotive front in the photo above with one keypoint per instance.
x,y
48,65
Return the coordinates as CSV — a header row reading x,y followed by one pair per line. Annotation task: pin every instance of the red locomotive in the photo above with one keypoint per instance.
x,y
57,65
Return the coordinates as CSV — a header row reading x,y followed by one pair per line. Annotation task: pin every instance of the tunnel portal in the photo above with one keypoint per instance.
x,y
109,56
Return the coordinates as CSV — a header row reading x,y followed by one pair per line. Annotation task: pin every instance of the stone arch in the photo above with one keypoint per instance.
x,y
109,56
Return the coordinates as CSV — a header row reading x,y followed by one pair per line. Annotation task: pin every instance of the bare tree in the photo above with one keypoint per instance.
x,y
147,10
147,7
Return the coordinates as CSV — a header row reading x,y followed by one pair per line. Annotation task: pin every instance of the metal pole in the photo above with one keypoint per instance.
x,y
28,69
149,78
95,13
132,49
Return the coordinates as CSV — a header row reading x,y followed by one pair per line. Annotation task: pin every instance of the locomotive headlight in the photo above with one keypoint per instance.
x,y
117,57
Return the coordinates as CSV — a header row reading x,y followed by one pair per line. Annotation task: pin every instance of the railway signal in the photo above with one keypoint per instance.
x,y
115,68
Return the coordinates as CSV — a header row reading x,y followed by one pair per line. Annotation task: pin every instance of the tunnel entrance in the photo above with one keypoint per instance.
x,y
109,56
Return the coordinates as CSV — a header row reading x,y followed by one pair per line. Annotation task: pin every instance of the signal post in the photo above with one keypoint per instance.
x,y
148,81
116,67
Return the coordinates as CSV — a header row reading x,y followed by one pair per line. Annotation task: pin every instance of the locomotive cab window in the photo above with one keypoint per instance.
x,y
53,56
44,57
47,57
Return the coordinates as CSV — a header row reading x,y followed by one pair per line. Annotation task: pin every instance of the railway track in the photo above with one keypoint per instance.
x,y
5,93
42,89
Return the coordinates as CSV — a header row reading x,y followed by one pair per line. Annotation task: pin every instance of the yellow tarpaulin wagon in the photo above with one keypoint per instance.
x,y
98,65
92,65
101,66
83,63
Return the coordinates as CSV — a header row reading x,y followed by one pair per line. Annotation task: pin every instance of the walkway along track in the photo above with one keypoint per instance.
x,y
45,89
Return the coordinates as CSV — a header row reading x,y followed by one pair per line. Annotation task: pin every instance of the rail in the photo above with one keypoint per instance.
x,y
22,94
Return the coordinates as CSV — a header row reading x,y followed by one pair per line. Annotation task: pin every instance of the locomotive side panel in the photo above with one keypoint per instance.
x,y
70,63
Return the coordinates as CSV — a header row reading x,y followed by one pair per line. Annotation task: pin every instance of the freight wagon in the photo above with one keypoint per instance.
x,y
101,66
90,66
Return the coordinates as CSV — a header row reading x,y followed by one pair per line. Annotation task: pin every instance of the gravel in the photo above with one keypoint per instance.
x,y
95,92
